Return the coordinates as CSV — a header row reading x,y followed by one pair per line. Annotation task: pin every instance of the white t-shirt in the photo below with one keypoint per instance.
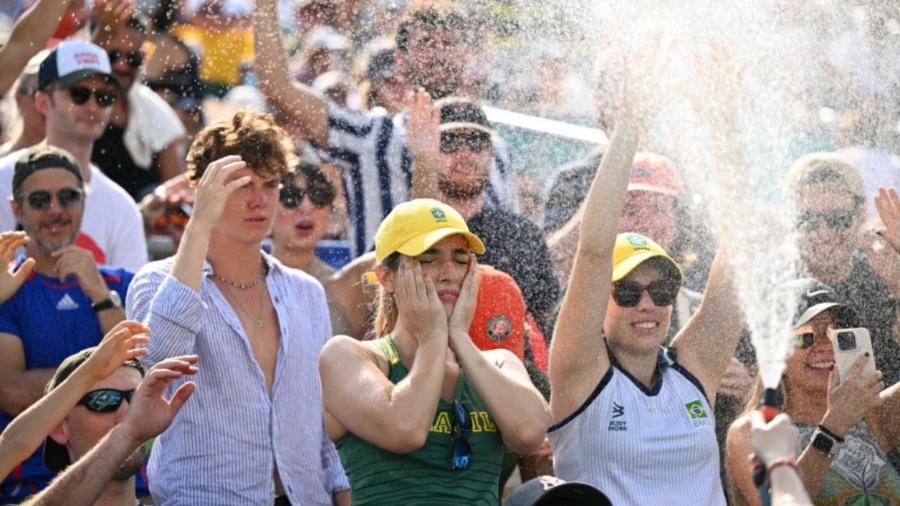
x,y
111,219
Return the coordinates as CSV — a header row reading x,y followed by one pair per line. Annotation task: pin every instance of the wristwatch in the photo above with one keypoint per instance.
x,y
825,443
110,302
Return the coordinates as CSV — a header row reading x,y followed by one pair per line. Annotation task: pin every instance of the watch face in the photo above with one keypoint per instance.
x,y
114,297
823,443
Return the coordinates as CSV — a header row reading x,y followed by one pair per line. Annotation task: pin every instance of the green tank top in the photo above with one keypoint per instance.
x,y
424,477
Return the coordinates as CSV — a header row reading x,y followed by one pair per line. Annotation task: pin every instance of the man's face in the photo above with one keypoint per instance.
x,y
465,162
82,429
67,119
651,214
250,209
435,59
125,55
49,205
828,223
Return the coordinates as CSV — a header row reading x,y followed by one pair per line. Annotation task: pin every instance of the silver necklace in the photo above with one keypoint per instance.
x,y
241,286
257,322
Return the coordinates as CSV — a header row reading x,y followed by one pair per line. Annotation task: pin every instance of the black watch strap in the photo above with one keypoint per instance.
x,y
113,301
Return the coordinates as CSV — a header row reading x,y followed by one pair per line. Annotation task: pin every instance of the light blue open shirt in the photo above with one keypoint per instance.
x,y
224,445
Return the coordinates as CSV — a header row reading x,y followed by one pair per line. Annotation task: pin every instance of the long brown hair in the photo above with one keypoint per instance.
x,y
385,306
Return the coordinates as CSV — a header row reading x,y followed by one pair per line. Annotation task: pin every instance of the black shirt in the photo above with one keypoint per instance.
x,y
111,155
517,247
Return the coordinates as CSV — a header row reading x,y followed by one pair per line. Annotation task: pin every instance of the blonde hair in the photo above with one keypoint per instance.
x,y
385,307
826,171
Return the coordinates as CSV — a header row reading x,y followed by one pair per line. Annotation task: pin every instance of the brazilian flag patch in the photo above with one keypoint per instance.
x,y
696,410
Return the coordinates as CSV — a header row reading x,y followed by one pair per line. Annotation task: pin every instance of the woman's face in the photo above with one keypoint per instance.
x,y
446,264
301,227
643,327
808,369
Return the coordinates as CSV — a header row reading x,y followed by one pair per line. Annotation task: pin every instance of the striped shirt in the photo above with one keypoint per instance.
x,y
377,169
225,443
640,445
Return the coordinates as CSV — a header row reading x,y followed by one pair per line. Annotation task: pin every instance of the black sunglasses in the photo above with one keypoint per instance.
x,y
104,400
68,198
451,142
132,58
838,219
291,196
628,293
80,95
460,451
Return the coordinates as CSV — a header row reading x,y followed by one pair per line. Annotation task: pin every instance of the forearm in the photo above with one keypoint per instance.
x,y
516,406
812,466
109,318
188,265
424,179
342,498
28,430
29,35
786,488
300,103
415,398
22,389
174,317
83,482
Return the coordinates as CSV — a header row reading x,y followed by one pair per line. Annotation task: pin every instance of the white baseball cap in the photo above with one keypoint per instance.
x,y
73,60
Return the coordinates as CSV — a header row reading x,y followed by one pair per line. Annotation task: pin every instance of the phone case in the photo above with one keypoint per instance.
x,y
844,359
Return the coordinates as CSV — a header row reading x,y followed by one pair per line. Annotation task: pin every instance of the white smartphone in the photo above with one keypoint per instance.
x,y
849,344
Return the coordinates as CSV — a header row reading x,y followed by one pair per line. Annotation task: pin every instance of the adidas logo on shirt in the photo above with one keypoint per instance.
x,y
66,304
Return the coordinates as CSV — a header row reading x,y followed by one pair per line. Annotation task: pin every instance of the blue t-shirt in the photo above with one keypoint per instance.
x,y
53,320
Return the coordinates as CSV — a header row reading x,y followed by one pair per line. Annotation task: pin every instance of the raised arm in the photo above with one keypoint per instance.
x,y
499,377
395,417
29,35
28,430
299,103
423,139
578,354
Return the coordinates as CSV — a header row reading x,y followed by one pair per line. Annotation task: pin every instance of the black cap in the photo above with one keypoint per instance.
x,y
43,157
56,457
814,298
544,490
458,113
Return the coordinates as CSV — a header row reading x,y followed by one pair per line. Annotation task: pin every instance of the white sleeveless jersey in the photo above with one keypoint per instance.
x,y
640,446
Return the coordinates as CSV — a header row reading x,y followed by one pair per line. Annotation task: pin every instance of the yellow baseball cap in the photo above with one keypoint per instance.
x,y
416,225
632,250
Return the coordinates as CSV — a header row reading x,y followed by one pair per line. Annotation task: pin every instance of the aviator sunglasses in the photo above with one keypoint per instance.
x,y
68,198
451,142
838,219
628,293
104,400
460,451
104,97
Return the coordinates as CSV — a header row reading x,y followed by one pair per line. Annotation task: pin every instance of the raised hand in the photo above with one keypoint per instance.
x,y
150,412
79,262
119,345
422,122
418,303
464,309
11,281
112,14
888,205
851,398
213,189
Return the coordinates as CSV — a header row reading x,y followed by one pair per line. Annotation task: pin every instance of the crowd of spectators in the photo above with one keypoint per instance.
x,y
277,252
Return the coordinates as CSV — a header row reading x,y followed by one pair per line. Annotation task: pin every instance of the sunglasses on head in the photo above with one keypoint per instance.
x,y
628,293
132,58
451,142
68,198
105,97
104,400
460,451
838,219
291,197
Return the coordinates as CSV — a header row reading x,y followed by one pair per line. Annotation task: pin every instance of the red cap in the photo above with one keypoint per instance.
x,y
655,173
499,320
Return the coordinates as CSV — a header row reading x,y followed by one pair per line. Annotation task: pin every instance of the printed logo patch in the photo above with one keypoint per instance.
x,y
618,410
438,215
499,328
617,425
699,417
